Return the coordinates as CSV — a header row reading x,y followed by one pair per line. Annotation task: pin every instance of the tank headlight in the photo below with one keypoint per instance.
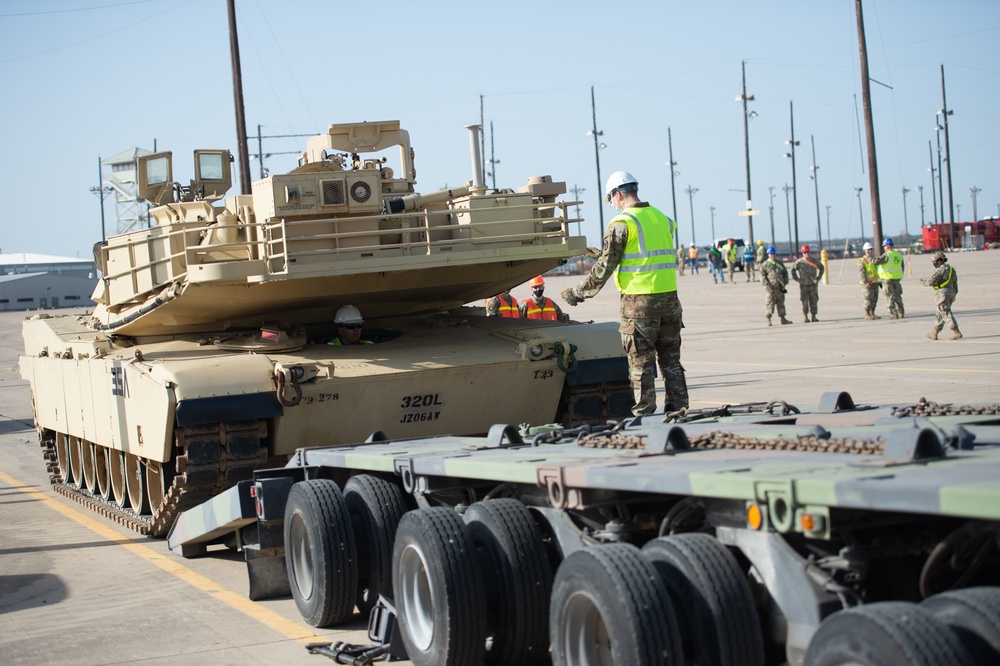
x,y
537,351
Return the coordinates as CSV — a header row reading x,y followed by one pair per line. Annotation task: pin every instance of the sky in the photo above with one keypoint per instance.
x,y
88,79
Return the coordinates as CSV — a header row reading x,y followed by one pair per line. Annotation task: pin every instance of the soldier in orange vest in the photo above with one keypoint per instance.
x,y
502,305
538,306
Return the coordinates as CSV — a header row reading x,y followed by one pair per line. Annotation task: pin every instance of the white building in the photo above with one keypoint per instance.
x,y
40,281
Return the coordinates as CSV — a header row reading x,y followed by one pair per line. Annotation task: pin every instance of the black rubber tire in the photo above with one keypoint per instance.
x,y
376,506
973,614
885,634
518,581
439,591
715,606
320,553
610,606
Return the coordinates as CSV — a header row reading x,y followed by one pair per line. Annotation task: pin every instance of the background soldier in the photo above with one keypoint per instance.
x,y
890,271
869,281
748,267
945,284
774,276
808,272
502,305
693,258
540,306
729,252
646,275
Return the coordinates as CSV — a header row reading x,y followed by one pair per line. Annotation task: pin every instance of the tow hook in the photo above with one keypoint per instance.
x,y
287,380
560,355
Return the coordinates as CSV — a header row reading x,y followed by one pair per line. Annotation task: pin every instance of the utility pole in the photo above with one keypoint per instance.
x,y
866,96
945,112
597,160
975,212
673,190
746,143
241,123
691,191
482,137
576,197
861,214
815,178
788,212
920,189
791,143
933,183
829,238
906,223
102,192
712,210
939,127
770,209
493,162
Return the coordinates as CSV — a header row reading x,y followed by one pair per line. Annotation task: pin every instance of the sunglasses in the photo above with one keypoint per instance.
x,y
608,197
351,327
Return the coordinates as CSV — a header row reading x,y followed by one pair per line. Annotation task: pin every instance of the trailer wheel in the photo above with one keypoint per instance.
x,y
610,606
439,589
376,507
715,606
974,614
320,554
884,634
519,580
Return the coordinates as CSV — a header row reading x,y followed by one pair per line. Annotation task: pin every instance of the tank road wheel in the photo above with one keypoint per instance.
x,y
320,553
610,606
158,480
376,507
102,469
716,610
973,614
135,483
62,458
883,634
439,589
75,461
88,465
116,471
518,580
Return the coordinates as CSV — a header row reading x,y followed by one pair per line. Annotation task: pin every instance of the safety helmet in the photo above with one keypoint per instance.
x,y
537,282
867,246
729,240
348,314
887,241
805,248
760,242
622,181
940,256
771,250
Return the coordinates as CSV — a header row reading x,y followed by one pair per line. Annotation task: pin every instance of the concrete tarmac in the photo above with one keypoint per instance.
x,y
75,587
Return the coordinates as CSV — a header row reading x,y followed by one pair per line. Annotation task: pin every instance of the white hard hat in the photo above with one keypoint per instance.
x,y
348,314
617,180
867,246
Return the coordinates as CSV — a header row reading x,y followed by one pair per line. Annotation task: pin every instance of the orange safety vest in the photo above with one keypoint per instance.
x,y
546,311
508,308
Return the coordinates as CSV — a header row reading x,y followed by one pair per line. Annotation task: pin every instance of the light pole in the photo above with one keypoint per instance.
x,y
791,143
920,189
691,191
829,238
814,176
493,162
788,211
933,183
945,112
673,189
958,211
101,191
861,214
712,210
938,128
975,212
597,159
746,142
770,210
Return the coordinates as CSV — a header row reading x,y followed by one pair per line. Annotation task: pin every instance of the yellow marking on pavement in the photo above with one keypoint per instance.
x,y
824,366
174,567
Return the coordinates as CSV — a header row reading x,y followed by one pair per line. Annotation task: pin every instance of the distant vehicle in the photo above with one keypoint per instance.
x,y
739,249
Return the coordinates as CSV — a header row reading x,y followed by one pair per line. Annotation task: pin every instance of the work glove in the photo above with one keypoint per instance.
x,y
569,295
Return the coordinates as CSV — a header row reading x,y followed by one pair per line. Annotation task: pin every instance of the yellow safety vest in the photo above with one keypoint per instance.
x,y
893,269
951,271
869,268
649,265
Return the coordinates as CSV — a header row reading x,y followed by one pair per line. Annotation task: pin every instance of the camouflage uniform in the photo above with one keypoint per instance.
x,y
893,288
650,328
947,276
681,259
774,276
869,286
808,275
493,305
729,251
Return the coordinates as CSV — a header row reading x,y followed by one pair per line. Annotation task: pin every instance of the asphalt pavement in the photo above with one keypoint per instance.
x,y
75,587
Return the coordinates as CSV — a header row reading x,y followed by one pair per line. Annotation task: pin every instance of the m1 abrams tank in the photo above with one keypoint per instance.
x,y
207,353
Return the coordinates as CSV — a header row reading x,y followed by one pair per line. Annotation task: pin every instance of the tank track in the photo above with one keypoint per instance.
x,y
208,460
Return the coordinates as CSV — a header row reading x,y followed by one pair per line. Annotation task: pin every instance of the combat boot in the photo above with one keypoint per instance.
x,y
869,315
806,319
768,321
786,321
957,335
814,318
933,334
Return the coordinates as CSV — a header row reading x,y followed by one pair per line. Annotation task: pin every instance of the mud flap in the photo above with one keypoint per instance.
x,y
266,572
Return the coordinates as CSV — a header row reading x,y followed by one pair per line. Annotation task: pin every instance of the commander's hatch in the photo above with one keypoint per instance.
x,y
212,177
